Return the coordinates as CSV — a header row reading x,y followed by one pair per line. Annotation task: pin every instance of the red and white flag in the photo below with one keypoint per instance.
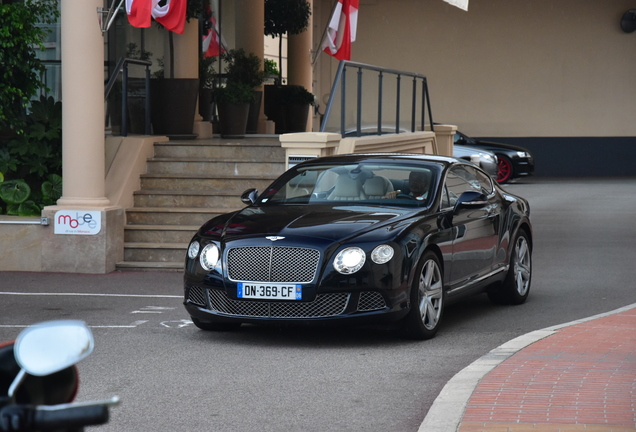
x,y
139,12
172,15
341,31
212,45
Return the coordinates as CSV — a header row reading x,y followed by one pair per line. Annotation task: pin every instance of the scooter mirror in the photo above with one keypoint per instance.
x,y
51,346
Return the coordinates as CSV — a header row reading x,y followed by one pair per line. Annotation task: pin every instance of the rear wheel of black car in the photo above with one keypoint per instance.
x,y
516,287
212,326
427,299
504,169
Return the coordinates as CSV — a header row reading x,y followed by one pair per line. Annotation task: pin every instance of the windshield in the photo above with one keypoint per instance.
x,y
359,183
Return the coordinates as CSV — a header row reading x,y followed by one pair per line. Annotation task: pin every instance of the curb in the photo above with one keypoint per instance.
x,y
447,410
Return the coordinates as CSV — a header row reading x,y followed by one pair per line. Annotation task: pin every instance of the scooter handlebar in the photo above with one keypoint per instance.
x,y
70,418
27,418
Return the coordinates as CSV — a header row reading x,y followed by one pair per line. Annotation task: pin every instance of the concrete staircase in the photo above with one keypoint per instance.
x,y
188,183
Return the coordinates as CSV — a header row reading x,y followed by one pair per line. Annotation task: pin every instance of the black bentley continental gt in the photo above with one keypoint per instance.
x,y
360,239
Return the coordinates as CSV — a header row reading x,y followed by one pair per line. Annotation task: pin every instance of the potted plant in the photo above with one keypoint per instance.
x,y
246,68
174,100
289,17
242,71
295,101
233,101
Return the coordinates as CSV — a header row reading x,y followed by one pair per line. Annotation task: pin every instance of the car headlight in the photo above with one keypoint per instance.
x,y
210,256
523,154
487,157
193,249
382,254
349,260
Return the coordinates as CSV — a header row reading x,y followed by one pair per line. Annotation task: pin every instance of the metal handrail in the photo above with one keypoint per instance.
x,y
340,80
122,66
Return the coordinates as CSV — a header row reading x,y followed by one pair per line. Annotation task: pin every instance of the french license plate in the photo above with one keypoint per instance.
x,y
269,291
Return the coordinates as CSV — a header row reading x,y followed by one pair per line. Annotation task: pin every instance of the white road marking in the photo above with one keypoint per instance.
x,y
132,325
176,324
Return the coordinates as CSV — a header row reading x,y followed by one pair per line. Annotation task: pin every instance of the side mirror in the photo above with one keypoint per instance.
x,y
470,199
50,347
249,196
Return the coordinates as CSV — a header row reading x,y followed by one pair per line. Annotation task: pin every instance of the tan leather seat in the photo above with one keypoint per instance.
x,y
347,189
377,187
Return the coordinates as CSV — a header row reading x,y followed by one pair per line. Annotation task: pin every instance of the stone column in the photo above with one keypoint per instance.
x,y
82,105
250,31
186,65
444,135
93,243
299,70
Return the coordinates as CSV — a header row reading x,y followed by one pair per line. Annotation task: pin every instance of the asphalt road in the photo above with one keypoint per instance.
x,y
174,377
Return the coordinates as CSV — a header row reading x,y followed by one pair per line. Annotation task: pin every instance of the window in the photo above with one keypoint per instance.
x,y
462,179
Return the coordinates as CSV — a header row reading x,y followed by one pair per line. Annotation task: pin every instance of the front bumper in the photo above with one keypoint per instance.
x,y
523,166
366,307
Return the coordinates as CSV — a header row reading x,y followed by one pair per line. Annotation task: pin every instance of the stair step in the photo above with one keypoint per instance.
x,y
187,198
208,182
187,183
220,167
172,216
273,153
149,266
159,233
160,252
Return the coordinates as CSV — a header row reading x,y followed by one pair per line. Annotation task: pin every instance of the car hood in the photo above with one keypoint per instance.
x,y
499,145
332,223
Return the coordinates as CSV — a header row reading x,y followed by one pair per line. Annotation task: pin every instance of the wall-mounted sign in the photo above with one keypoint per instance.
x,y
78,222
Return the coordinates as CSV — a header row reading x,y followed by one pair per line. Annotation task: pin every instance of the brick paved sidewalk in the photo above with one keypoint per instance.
x,y
582,378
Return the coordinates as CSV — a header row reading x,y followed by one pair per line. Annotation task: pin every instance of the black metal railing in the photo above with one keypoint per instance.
x,y
122,67
368,92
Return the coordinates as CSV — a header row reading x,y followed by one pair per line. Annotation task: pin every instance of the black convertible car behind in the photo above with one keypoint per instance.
x,y
512,161
365,238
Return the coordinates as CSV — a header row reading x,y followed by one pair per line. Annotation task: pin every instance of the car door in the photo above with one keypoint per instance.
x,y
475,226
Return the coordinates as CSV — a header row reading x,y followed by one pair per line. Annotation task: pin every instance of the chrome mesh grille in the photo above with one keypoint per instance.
x,y
196,296
325,305
272,264
371,300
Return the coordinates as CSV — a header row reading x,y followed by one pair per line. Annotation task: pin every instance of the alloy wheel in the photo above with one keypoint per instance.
x,y
504,169
430,295
522,266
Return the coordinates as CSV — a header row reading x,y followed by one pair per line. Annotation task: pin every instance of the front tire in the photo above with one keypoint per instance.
x,y
427,300
516,287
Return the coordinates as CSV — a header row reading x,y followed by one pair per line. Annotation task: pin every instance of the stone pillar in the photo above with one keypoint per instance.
x,y
186,65
299,70
250,30
444,135
83,156
305,144
83,203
